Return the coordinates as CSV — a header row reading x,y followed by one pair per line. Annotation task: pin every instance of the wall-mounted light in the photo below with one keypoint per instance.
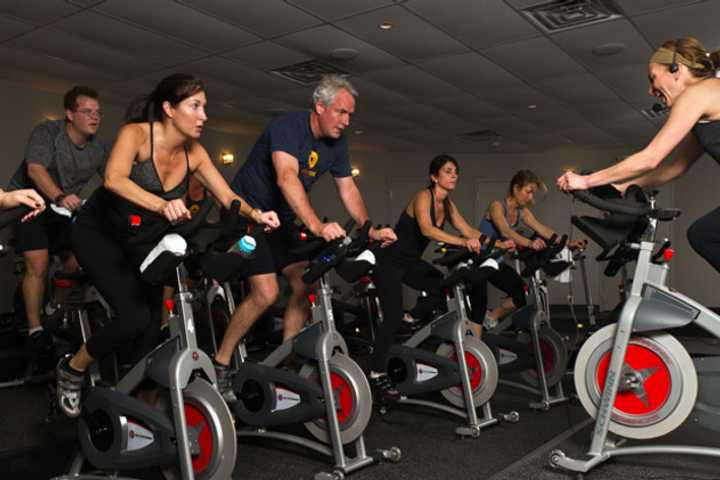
x,y
227,158
385,26
52,116
355,171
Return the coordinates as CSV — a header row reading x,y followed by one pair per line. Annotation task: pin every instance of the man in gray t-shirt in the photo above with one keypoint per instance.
x,y
60,158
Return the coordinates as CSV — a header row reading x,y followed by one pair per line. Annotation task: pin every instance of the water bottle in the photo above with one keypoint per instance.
x,y
245,246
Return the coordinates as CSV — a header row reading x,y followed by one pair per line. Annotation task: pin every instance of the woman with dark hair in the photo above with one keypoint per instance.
x,y
147,176
512,219
682,75
420,222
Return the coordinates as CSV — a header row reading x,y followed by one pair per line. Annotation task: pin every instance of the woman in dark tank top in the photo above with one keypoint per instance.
x,y
147,176
420,222
682,75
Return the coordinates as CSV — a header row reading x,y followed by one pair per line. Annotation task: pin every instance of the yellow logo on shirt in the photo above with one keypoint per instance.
x,y
313,159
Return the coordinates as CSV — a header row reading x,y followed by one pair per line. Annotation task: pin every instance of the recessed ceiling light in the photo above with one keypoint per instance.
x,y
359,132
607,49
385,26
532,106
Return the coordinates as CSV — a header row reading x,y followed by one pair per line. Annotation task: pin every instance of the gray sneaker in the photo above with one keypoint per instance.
x,y
224,382
69,387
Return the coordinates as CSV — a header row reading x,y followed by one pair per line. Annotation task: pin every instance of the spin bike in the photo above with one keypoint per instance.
x,y
193,435
526,336
330,394
463,368
636,380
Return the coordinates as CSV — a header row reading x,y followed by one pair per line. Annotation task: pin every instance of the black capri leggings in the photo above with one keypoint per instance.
x,y
505,279
704,237
390,273
115,273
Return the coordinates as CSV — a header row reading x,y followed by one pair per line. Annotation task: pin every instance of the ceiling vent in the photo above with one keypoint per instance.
x,y
481,136
307,73
558,15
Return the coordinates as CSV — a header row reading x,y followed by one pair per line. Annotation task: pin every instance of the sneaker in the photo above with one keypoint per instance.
x,y
383,389
69,387
224,382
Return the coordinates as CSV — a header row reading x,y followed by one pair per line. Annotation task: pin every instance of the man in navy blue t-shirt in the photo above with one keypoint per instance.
x,y
293,152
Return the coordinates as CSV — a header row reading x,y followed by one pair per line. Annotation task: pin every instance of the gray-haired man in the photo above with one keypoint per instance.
x,y
291,154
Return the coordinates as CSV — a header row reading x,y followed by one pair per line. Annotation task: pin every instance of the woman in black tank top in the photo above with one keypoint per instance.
x,y
420,222
682,75
147,176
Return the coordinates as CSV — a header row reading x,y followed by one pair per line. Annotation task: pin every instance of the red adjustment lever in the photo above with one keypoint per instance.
x,y
526,288
170,305
668,254
303,236
312,298
135,220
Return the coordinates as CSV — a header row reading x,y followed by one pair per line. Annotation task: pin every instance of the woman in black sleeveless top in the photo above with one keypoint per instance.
x,y
147,177
682,75
420,222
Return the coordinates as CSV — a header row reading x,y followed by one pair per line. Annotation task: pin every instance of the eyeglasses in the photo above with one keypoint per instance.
x,y
90,113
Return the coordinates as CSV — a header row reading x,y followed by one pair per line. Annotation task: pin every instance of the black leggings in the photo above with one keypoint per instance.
x,y
504,278
390,273
704,237
115,273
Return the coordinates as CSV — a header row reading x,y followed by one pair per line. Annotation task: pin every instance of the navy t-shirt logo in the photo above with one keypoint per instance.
x,y
312,161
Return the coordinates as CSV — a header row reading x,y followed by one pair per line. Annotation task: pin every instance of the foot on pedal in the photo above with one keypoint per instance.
x,y
69,387
383,389
224,382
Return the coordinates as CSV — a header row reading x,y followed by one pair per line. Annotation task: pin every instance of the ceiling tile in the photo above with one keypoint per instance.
x,y
634,7
699,20
181,22
377,121
466,106
589,136
319,42
471,71
60,45
11,27
41,63
130,40
580,87
630,82
479,24
533,60
236,74
579,44
267,18
336,10
429,116
38,11
373,95
267,55
406,26
412,82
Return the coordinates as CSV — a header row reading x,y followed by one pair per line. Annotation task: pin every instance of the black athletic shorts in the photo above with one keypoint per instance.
x,y
273,251
47,231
